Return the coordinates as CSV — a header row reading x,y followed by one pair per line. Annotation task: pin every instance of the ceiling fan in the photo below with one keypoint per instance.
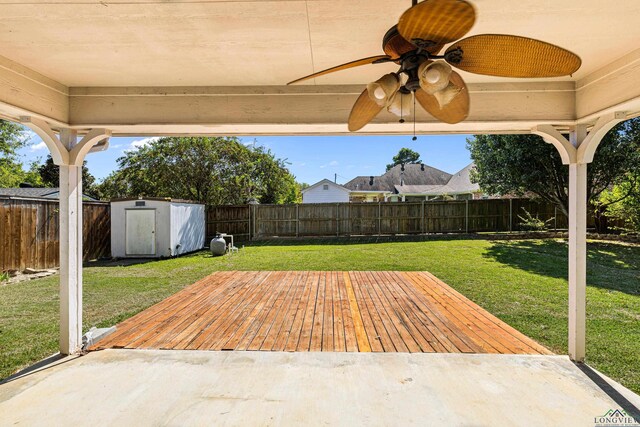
x,y
426,77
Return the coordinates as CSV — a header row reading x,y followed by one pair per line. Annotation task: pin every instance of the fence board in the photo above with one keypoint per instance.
x,y
29,236
340,219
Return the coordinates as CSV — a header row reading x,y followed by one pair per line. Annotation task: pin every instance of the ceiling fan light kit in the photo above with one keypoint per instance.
x,y
383,90
428,78
401,104
434,76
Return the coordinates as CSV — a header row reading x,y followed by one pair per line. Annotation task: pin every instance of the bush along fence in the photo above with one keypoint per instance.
x,y
29,233
248,222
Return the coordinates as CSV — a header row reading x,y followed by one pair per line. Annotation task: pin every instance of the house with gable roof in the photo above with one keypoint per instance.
x,y
409,182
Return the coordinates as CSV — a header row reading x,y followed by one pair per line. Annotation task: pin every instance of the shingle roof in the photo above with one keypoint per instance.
x,y
461,182
49,193
413,175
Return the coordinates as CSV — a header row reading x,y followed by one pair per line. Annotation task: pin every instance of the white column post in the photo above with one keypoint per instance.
x,y
577,251
70,251
577,153
69,153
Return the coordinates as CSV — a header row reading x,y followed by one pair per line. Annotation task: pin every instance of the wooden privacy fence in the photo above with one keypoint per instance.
x,y
340,219
29,233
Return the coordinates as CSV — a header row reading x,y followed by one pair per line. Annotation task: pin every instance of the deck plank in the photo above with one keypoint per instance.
x,y
339,342
320,311
293,337
356,338
208,336
304,342
231,321
287,316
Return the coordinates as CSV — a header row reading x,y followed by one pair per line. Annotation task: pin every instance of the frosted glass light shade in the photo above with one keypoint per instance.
x,y
434,76
401,104
382,90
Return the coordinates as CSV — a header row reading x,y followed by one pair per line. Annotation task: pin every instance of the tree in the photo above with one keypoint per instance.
x,y
50,176
621,205
519,164
209,170
12,138
404,156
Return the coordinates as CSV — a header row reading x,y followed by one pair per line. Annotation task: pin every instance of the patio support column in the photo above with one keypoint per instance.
x,y
577,152
69,153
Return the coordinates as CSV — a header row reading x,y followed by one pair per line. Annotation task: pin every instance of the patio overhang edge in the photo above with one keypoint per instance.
x,y
497,107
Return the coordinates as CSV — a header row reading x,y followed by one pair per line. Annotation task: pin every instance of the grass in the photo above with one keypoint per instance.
x,y
521,282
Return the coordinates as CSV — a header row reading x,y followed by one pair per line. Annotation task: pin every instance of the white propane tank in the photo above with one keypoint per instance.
x,y
218,246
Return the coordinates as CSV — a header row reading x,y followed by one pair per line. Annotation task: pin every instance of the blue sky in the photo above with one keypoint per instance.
x,y
311,158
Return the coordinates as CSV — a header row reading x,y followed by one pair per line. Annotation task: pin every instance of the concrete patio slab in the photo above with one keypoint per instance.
x,y
164,387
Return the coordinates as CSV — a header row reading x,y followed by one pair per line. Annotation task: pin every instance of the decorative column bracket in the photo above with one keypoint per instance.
x,y
71,153
582,146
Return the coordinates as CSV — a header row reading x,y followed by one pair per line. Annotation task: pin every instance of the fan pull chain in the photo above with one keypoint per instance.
x,y
414,118
401,104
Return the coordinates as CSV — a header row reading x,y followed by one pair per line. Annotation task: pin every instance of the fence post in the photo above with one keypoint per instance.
x,y
510,215
255,219
466,217
379,219
555,218
337,219
248,220
422,217
297,219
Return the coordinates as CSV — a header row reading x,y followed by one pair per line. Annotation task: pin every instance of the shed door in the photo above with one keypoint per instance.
x,y
140,231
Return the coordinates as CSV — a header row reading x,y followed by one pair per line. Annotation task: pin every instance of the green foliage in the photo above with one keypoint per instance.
x,y
210,170
530,223
406,156
12,138
49,174
622,205
520,164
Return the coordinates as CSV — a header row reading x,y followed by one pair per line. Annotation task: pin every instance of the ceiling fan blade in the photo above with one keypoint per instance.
x,y
512,56
436,22
364,61
363,111
455,111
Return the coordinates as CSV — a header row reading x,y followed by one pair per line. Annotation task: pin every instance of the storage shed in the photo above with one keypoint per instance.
x,y
156,227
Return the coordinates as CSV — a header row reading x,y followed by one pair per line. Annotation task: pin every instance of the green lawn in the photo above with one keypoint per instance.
x,y
521,282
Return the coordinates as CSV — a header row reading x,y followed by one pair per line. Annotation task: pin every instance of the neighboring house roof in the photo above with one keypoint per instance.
x,y
38,193
417,189
413,175
428,182
460,182
50,193
325,181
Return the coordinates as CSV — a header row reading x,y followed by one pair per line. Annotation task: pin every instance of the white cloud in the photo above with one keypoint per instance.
x,y
141,143
30,135
39,146
331,163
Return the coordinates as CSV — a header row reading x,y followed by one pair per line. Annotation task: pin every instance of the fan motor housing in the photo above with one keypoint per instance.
x,y
395,45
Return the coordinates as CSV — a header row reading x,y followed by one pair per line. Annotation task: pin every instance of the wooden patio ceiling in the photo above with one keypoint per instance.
x,y
320,311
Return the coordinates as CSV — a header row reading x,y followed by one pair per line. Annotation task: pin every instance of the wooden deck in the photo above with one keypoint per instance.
x,y
380,311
